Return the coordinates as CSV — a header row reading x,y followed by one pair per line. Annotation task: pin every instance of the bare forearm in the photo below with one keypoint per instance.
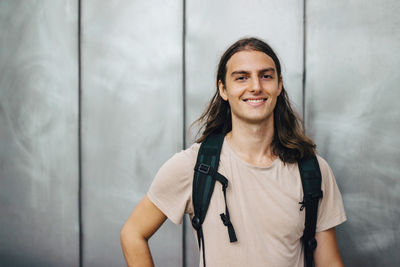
x,y
136,251
327,252
143,222
333,264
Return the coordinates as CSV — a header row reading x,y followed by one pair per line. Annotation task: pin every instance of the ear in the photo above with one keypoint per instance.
x,y
280,85
222,90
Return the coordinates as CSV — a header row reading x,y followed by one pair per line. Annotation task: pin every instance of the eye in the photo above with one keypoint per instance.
x,y
267,76
241,78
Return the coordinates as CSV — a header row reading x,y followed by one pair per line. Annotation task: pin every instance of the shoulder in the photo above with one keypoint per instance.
x,y
191,151
328,182
188,155
326,171
171,188
181,163
331,210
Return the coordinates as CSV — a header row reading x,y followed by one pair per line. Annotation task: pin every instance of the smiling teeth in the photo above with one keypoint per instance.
x,y
255,100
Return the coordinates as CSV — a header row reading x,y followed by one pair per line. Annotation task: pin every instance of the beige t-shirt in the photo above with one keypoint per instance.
x,y
263,205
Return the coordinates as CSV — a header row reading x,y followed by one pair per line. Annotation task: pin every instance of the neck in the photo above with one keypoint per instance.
x,y
252,141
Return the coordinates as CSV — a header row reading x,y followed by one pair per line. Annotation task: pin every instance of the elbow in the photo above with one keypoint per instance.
x,y
129,236
123,236
126,235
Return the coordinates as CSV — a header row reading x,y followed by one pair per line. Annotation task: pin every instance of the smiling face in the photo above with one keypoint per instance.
x,y
251,87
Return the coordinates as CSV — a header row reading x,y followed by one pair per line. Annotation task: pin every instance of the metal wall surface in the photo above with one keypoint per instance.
x,y
211,27
132,119
38,133
352,112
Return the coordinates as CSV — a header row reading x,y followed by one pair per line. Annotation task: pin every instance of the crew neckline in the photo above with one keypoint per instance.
x,y
226,142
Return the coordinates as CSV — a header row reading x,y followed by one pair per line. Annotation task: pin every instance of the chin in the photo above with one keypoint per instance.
x,y
256,120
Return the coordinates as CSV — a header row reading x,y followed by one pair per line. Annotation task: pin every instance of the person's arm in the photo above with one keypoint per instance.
x,y
327,252
143,222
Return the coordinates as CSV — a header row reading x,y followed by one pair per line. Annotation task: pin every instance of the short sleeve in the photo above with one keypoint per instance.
x,y
171,189
331,210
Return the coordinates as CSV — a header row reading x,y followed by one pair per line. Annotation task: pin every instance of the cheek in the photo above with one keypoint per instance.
x,y
237,91
230,94
275,91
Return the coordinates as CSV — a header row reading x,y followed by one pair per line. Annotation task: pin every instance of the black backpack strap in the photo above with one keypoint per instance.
x,y
205,175
311,180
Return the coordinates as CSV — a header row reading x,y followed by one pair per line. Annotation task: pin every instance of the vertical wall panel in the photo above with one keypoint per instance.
x,y
38,133
132,119
353,112
214,25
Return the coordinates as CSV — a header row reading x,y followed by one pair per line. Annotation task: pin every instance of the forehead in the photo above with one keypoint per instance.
x,y
249,60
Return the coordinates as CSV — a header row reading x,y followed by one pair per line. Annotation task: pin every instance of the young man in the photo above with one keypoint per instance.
x,y
263,141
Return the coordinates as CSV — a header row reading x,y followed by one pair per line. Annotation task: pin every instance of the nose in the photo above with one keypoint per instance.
x,y
255,85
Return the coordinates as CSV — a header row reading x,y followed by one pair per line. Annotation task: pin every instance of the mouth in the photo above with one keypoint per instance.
x,y
255,100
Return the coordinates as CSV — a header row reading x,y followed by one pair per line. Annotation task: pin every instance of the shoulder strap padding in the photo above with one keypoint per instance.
x,y
311,180
206,167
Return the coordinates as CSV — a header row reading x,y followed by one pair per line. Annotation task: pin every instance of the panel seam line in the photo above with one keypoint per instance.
x,y
184,226
80,136
304,66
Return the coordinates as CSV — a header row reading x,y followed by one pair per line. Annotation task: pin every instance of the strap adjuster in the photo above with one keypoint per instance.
x,y
308,199
225,220
204,168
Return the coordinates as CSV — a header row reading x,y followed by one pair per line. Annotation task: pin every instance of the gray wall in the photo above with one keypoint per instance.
x,y
133,115
38,133
352,111
131,119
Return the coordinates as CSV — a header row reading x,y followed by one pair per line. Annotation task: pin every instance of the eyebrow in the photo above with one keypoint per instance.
x,y
246,72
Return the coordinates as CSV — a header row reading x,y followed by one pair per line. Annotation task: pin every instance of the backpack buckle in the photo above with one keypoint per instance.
x,y
204,168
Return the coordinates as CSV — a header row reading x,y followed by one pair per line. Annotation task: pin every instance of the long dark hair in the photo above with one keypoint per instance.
x,y
289,142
